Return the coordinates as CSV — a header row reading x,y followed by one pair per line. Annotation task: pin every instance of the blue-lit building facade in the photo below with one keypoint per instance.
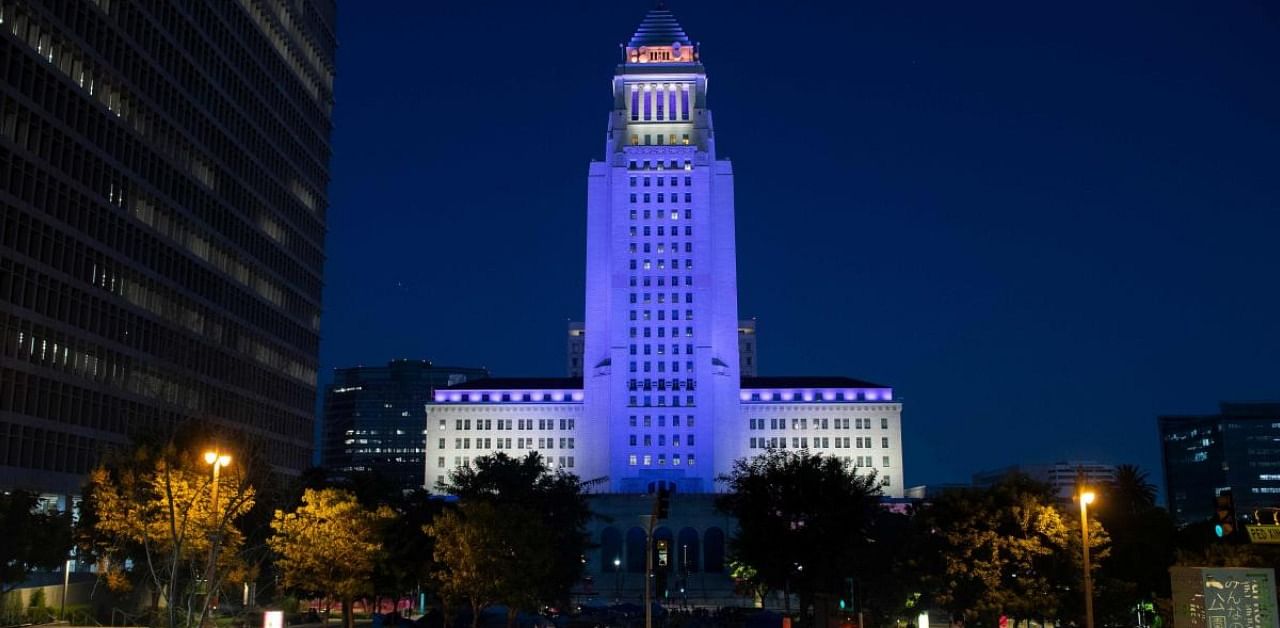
x,y
661,395
1237,450
662,400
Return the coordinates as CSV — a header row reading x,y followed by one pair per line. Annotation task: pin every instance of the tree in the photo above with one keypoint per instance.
x,y
1131,490
33,538
152,505
329,545
1142,545
804,522
556,498
488,554
1002,550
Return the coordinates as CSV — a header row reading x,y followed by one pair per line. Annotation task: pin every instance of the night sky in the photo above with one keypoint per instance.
x,y
1044,225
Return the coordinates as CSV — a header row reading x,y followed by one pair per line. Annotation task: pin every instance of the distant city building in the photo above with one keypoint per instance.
x,y
373,417
1061,476
575,345
930,491
746,348
665,397
1236,450
164,168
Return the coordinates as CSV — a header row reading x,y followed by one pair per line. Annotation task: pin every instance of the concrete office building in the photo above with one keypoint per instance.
x,y
162,219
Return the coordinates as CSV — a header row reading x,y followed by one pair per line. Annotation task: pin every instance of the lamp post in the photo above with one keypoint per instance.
x,y
617,579
217,460
1086,498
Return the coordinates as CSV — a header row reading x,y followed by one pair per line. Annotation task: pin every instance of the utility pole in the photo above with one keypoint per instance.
x,y
648,569
661,507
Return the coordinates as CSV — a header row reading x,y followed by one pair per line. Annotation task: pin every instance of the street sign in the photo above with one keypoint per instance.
x,y
1263,534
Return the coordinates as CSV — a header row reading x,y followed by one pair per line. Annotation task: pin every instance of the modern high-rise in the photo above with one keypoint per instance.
x,y
373,417
163,168
662,399
1236,450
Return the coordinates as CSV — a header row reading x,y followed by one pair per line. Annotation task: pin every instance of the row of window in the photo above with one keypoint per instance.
x,y
659,214
648,441
818,423
657,139
647,420
647,460
506,424
661,231
659,247
648,401
465,461
660,181
648,349
648,332
657,101
802,442
661,366
662,197
662,384
658,165
522,442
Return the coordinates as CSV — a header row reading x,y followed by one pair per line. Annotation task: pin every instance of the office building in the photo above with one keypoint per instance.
x,y
664,398
1062,477
1236,450
162,219
374,415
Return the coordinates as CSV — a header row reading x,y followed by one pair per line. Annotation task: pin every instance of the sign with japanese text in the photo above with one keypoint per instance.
x,y
1239,598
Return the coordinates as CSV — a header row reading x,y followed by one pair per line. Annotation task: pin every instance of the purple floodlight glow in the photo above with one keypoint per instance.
x,y
828,396
439,397
558,397
788,396
455,397
577,396
744,396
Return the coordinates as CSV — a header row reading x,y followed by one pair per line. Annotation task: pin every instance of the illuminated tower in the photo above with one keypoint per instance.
x,y
660,364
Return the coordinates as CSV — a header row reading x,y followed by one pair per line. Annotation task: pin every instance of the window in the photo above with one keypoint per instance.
x,y
884,442
631,460
440,462
884,424
886,461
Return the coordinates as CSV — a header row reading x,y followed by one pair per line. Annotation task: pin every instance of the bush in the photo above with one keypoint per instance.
x,y
37,599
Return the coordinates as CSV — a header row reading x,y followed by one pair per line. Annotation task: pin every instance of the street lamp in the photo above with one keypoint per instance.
x,y
1086,498
617,578
217,460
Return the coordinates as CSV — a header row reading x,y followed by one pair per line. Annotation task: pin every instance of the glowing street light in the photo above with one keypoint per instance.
x,y
1086,498
217,460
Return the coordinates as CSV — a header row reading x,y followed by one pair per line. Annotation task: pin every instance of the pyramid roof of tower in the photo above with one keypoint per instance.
x,y
659,28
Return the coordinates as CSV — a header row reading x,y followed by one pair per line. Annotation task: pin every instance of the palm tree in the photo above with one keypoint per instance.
x,y
1132,490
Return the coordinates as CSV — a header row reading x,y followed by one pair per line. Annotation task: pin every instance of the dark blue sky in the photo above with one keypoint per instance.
x,y
1042,224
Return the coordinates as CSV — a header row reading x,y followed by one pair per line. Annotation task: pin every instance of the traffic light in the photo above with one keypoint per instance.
x,y
1224,515
662,505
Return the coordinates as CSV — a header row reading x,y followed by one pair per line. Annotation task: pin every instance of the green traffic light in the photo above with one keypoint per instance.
x,y
1217,529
